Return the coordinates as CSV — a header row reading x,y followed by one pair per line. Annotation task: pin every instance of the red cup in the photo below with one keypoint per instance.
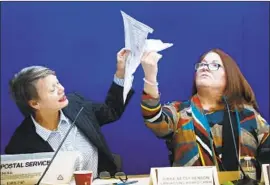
x,y
83,177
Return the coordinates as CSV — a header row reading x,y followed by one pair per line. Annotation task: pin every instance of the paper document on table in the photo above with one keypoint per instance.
x,y
136,34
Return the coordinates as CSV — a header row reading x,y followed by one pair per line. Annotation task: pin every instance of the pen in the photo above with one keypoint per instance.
x,y
126,183
123,183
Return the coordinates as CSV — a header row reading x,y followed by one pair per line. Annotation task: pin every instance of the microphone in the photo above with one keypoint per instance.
x,y
246,179
62,142
234,144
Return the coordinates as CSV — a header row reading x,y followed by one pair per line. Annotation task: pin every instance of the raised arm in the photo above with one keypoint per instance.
x,y
160,119
114,106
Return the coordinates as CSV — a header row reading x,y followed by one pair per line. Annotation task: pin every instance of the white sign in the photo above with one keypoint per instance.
x,y
265,174
26,169
23,171
184,176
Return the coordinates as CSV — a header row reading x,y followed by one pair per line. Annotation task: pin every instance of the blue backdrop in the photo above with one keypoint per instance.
x,y
80,41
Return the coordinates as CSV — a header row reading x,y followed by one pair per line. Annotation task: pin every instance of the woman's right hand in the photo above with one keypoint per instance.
x,y
150,67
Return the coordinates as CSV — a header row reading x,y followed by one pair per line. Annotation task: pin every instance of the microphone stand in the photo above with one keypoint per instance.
x,y
246,179
62,142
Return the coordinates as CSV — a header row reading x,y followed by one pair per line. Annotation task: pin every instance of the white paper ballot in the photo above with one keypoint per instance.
x,y
135,36
156,45
136,41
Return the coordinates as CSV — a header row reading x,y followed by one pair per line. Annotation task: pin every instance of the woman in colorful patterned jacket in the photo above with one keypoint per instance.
x,y
219,122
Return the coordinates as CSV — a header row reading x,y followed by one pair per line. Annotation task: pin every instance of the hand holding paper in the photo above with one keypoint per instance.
x,y
149,63
136,41
151,57
122,56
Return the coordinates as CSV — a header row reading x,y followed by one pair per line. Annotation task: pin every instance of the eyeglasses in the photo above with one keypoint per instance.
x,y
106,175
211,66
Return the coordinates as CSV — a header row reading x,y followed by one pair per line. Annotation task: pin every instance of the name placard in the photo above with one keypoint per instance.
x,y
265,174
184,176
25,169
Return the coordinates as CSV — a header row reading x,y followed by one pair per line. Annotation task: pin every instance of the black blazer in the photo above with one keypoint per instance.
x,y
93,116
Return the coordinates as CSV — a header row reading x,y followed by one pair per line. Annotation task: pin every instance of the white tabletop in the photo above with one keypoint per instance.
x,y
140,181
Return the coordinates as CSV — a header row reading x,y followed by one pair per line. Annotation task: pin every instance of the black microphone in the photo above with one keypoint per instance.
x,y
246,179
62,142
234,144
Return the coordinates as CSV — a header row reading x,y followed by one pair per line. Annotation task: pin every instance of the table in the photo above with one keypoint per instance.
x,y
142,180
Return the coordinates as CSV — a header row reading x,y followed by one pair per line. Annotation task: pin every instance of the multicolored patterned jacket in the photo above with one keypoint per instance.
x,y
191,128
